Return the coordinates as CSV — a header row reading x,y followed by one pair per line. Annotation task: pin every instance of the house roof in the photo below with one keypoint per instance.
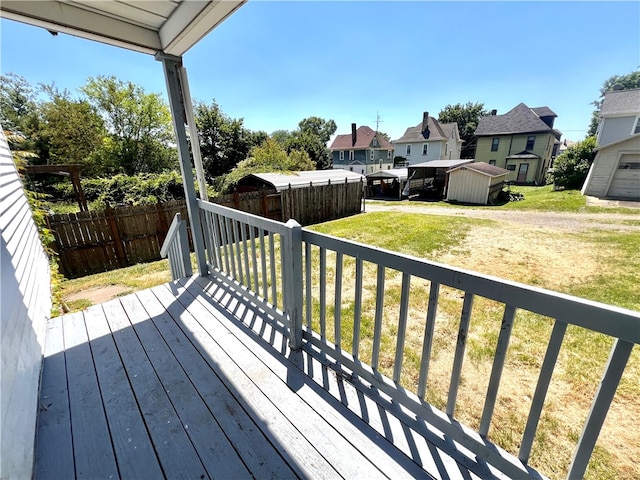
x,y
520,119
482,168
620,102
634,140
169,26
544,112
364,137
441,163
282,181
399,173
437,132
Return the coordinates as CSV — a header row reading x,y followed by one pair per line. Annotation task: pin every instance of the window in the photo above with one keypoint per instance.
x,y
425,149
375,143
530,141
492,162
380,165
494,144
511,167
342,155
371,155
388,167
408,151
351,155
637,129
388,153
445,149
351,169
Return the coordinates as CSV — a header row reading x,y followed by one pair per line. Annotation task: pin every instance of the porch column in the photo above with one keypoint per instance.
x,y
172,66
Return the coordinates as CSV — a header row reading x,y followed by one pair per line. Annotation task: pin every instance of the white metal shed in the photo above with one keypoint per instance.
x,y
476,182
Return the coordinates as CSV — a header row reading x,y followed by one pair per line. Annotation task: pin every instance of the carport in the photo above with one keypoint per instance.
x,y
430,179
387,183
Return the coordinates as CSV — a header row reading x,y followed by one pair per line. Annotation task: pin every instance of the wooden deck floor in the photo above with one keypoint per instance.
x,y
191,380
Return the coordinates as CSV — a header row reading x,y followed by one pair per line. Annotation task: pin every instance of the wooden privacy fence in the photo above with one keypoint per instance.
x,y
98,241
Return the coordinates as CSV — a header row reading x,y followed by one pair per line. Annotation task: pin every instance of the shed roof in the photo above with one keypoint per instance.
x,y
520,119
399,173
282,181
441,163
483,169
620,102
364,137
169,26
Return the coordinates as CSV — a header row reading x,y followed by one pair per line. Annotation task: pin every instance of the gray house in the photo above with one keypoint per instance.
x,y
615,171
362,151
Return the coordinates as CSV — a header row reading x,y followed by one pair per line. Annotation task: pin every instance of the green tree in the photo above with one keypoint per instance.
x,y
620,82
467,116
571,168
281,136
224,141
72,129
138,125
312,136
268,157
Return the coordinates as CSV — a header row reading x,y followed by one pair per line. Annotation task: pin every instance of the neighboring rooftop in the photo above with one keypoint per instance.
x,y
436,131
484,168
620,102
363,138
520,119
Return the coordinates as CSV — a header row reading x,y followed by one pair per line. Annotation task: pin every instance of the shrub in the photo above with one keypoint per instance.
x,y
571,168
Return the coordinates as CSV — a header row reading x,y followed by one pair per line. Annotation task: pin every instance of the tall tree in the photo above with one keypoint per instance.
x,y
224,141
571,168
467,116
72,129
312,136
620,82
138,126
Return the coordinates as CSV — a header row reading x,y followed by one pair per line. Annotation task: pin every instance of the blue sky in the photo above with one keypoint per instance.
x,y
275,63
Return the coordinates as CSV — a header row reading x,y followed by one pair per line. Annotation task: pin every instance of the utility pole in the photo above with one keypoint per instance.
x,y
378,121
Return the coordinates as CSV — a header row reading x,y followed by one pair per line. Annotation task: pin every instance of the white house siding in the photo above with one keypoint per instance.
x,y
626,178
25,301
605,166
468,186
614,129
434,152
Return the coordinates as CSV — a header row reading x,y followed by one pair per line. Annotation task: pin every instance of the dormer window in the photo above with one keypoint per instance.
x,y
375,143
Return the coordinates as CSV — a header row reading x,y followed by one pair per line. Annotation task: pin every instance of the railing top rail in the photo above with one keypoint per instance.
x,y
244,217
610,320
171,233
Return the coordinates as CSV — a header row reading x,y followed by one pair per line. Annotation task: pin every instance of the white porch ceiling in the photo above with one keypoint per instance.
x,y
147,26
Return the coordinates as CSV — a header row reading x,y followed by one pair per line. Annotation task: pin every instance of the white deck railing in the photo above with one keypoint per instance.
x,y
279,264
176,247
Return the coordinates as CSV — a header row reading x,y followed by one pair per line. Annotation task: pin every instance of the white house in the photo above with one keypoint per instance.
x,y
615,171
429,140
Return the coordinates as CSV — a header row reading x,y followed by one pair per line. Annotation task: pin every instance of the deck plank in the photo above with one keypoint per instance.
x,y
134,451
214,449
258,454
175,451
93,452
54,447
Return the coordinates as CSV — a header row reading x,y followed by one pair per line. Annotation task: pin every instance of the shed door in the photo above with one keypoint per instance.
x,y
522,173
626,178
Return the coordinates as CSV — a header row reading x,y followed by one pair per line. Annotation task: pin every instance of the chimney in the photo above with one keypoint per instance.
x,y
494,112
353,134
425,122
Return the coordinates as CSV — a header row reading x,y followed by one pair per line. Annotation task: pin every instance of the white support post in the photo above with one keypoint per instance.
x,y
171,66
292,260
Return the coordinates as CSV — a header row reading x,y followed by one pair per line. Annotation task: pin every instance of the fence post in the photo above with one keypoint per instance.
x,y
115,234
293,282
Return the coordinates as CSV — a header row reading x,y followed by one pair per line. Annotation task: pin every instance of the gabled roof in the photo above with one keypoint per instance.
x,y
364,137
544,112
620,102
169,26
483,168
520,119
437,132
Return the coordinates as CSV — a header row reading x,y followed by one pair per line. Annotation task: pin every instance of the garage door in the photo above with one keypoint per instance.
x,y
626,178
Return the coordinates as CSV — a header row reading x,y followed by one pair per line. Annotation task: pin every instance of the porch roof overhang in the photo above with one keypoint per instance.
x,y
168,26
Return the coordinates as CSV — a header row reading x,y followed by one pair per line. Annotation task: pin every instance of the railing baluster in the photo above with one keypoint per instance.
x,y
216,240
245,251
465,317
323,293
263,262
496,370
307,266
254,262
608,385
377,328
206,230
544,380
338,303
229,235
238,254
272,267
357,310
402,327
427,342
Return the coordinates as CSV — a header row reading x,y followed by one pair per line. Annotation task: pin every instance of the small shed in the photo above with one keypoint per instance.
x,y
429,179
277,182
478,183
387,183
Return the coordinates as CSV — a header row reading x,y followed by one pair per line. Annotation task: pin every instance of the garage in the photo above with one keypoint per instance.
x,y
626,178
